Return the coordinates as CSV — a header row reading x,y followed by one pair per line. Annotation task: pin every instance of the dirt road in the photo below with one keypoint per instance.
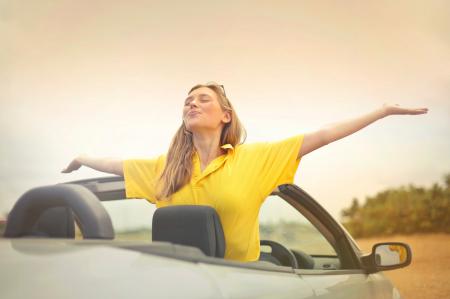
x,y
429,273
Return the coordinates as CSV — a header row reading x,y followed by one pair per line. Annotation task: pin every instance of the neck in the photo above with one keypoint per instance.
x,y
207,147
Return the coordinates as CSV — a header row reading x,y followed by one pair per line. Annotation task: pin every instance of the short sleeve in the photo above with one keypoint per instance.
x,y
278,163
140,176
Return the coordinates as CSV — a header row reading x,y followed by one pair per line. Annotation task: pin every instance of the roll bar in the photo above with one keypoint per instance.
x,y
92,217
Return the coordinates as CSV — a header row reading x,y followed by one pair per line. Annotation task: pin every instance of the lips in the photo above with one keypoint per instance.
x,y
193,113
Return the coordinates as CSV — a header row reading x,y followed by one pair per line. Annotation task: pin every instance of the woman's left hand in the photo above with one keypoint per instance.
x,y
396,109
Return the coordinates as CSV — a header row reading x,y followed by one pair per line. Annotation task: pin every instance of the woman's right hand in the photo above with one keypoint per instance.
x,y
109,165
74,165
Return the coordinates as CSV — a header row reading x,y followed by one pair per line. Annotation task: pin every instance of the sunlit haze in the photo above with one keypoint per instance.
x,y
108,78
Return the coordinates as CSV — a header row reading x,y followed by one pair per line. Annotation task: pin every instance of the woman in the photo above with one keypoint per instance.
x,y
207,164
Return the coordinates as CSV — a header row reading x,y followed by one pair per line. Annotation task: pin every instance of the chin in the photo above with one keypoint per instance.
x,y
192,127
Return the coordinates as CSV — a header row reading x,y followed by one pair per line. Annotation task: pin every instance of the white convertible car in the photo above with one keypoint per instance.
x,y
312,257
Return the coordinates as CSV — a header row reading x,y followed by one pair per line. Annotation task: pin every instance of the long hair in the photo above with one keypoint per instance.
x,y
178,169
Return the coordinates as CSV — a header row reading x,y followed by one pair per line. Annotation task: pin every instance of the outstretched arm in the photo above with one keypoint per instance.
x,y
109,165
336,131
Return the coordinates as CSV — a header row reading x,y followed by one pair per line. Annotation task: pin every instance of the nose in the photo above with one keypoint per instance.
x,y
193,103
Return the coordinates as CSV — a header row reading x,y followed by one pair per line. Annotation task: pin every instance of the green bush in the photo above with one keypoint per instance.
x,y
403,210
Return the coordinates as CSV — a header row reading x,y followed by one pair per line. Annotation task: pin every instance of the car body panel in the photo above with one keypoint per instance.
x,y
247,283
68,268
343,284
59,269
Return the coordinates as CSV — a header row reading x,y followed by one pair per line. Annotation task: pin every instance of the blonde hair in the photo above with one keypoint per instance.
x,y
178,169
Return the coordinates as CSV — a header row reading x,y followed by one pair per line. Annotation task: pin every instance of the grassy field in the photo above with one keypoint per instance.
x,y
428,275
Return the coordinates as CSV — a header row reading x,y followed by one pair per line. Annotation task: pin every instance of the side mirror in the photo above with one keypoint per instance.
x,y
387,256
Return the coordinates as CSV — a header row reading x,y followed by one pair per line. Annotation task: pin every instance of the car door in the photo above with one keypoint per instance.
x,y
234,280
238,280
326,265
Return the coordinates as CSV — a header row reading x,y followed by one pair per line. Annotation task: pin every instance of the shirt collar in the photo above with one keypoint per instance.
x,y
228,147
213,165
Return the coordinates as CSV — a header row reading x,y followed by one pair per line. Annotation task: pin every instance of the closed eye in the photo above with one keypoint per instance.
x,y
204,98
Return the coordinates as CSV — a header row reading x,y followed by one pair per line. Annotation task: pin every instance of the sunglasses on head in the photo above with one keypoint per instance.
x,y
223,89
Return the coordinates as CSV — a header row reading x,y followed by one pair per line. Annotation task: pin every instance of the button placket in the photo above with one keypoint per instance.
x,y
196,170
198,175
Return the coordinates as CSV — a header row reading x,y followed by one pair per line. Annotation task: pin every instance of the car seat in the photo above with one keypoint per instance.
x,y
191,225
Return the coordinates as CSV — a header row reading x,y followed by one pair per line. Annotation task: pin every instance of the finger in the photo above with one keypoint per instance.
x,y
419,111
66,170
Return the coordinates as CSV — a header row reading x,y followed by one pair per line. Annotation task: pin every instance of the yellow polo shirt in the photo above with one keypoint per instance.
x,y
234,184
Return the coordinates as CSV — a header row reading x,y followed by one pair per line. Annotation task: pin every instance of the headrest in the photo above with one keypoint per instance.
x,y
191,225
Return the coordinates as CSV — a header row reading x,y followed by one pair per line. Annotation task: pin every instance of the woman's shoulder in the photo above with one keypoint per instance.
x,y
269,144
250,147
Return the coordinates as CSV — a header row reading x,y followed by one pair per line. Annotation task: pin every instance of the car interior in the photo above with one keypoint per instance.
x,y
191,233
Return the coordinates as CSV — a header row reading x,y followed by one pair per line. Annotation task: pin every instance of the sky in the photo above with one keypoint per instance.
x,y
108,78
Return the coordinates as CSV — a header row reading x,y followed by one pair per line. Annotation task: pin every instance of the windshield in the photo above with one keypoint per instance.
x,y
279,221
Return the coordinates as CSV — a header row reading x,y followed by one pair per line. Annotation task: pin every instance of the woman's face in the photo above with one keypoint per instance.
x,y
202,111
